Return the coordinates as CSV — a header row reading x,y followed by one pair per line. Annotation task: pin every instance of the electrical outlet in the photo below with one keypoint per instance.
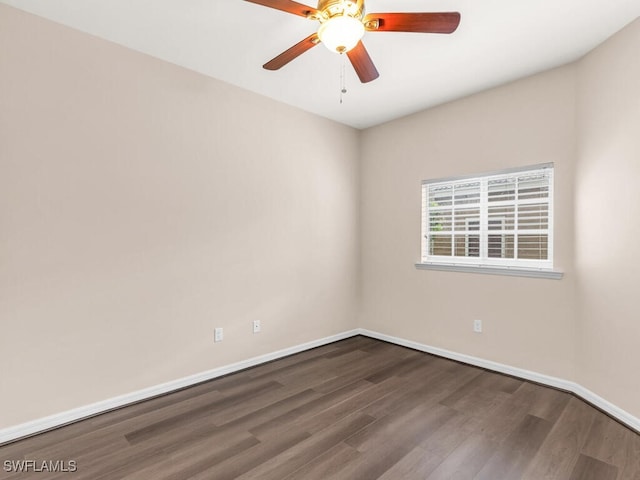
x,y
477,326
218,335
257,326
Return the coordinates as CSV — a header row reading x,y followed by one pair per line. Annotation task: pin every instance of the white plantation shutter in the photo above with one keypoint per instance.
x,y
503,219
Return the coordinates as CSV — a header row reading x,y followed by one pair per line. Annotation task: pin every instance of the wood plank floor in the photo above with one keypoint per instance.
x,y
355,409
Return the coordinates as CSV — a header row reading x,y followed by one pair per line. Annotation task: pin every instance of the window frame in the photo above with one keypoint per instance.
x,y
484,261
467,222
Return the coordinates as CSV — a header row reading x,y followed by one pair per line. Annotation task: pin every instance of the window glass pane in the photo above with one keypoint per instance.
x,y
500,246
533,217
440,195
508,249
440,221
467,193
532,247
467,246
533,186
501,218
495,246
460,246
495,223
440,245
501,189
472,247
467,219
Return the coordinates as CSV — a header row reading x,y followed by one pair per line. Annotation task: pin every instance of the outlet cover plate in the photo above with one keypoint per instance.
x,y
218,335
477,326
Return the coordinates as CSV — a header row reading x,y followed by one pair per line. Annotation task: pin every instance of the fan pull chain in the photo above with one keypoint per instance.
x,y
343,86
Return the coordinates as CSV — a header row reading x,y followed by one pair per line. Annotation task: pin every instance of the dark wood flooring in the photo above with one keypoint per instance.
x,y
355,409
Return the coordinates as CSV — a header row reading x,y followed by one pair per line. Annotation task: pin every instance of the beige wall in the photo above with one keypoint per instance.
x,y
528,323
142,205
607,250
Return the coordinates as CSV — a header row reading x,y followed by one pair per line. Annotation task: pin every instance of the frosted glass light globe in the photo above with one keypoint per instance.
x,y
341,33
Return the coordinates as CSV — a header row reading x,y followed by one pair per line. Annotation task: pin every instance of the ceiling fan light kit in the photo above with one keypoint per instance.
x,y
341,33
343,24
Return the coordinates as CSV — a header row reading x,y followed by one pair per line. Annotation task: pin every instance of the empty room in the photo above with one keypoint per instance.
x,y
357,239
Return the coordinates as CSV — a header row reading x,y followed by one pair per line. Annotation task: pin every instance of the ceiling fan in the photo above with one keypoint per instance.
x,y
343,23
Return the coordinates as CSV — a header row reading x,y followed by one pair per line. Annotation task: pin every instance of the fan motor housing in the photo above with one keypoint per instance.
x,y
331,8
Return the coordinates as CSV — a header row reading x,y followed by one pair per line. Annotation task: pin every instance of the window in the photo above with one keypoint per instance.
x,y
496,220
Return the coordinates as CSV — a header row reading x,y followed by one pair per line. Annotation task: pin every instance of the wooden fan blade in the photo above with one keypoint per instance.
x,y
288,6
443,22
292,53
362,63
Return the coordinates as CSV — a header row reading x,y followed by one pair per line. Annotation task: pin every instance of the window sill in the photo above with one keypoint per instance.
x,y
491,270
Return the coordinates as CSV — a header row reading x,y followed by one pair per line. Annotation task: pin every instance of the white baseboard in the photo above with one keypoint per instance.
x,y
70,416
575,388
60,419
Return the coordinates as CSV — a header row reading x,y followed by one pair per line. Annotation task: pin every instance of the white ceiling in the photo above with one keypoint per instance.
x,y
497,41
